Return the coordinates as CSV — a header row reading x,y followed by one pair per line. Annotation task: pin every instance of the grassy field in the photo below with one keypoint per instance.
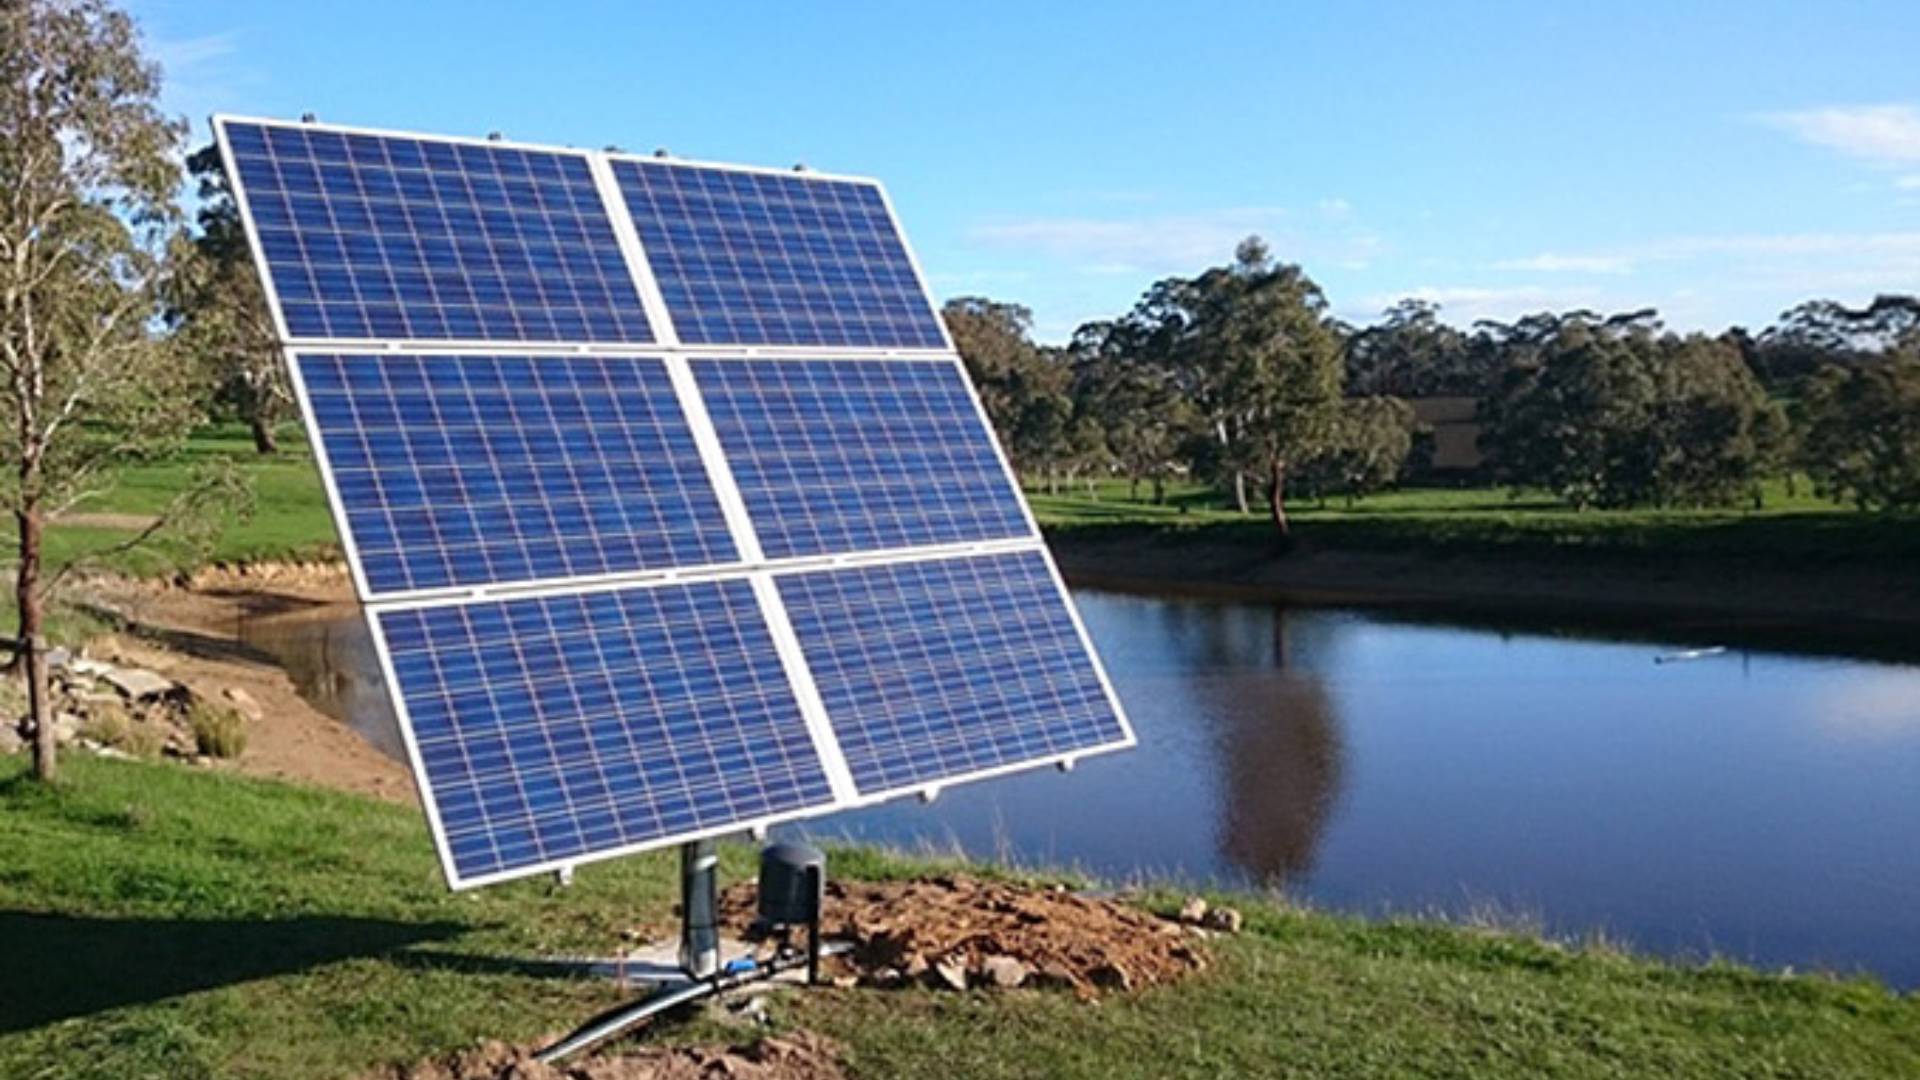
x,y
165,922
1797,529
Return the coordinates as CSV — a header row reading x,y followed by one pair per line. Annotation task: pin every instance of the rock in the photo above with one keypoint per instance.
x,y
950,975
59,657
134,684
66,727
1054,975
89,668
916,967
1194,910
1226,920
242,701
10,740
1005,972
844,982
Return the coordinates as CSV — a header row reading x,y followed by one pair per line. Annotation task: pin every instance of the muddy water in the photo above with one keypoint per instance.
x,y
1758,805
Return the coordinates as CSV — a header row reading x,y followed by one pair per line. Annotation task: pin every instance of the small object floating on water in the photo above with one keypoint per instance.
x,y
1689,654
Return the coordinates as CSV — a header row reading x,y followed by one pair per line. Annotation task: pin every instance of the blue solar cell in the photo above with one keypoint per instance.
x,y
767,259
371,236
468,470
554,727
859,455
938,669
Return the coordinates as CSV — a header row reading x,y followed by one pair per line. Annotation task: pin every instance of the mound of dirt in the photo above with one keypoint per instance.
x,y
957,932
799,1055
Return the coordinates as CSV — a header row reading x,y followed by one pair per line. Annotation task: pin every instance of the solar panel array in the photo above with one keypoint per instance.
x,y
549,727
631,583
467,470
837,456
765,259
943,668
417,239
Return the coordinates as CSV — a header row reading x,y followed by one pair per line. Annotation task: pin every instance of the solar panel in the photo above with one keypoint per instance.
x,y
837,456
469,470
633,581
748,258
941,669
369,236
552,727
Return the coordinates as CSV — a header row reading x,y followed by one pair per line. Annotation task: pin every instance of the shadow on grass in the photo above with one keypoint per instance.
x,y
58,967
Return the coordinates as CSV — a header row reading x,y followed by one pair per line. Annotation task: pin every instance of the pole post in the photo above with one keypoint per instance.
x,y
699,909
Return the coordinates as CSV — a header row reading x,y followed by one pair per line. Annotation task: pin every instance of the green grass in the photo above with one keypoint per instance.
x,y
289,518
1796,529
166,922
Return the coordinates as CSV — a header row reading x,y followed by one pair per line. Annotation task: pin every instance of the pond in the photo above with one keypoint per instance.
x,y
1761,806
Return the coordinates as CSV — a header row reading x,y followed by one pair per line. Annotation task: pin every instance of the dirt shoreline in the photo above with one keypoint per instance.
x,y
189,631
1833,607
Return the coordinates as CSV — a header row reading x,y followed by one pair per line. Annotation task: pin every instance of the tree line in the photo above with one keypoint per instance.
x,y
1240,377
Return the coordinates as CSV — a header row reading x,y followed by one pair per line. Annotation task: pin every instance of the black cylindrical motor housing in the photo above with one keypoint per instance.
x,y
793,880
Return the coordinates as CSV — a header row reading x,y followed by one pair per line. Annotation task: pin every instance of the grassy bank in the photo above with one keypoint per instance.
x,y
1794,528
161,921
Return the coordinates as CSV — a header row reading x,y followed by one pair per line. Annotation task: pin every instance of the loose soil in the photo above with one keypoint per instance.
x,y
188,630
957,932
799,1055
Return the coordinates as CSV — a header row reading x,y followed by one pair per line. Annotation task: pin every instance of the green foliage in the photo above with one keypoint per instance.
x,y
1861,432
218,731
1366,448
1411,353
1251,346
168,921
1614,414
219,317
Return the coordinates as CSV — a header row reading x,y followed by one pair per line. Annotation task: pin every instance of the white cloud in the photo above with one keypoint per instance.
x,y
1335,207
1882,133
1908,183
1551,263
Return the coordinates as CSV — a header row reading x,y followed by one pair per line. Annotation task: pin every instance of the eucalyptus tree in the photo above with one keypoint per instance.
x,y
1610,412
1861,433
1134,402
88,171
219,314
1253,349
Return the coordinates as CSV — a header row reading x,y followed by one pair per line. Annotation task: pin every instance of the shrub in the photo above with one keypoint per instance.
x,y
219,732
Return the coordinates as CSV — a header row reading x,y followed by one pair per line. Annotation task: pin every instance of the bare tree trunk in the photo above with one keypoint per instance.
x,y
1277,494
1159,490
32,644
1133,487
1240,491
263,438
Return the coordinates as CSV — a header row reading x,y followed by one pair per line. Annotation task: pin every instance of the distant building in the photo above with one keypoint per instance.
x,y
1455,424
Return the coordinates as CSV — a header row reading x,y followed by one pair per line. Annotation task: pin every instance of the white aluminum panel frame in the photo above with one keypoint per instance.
x,y
762,573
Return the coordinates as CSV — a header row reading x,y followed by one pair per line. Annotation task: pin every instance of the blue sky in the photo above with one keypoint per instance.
x,y
1720,161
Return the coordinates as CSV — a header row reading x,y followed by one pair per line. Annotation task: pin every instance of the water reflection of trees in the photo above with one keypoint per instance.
x,y
1280,749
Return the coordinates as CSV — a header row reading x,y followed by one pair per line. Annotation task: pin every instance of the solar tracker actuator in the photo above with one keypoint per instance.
x,y
670,505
